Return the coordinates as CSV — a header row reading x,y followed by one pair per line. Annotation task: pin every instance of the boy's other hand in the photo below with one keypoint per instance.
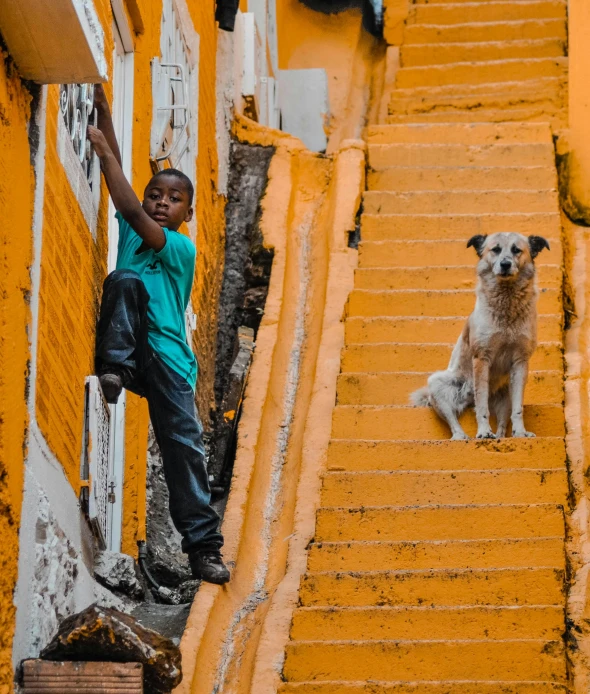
x,y
100,98
98,141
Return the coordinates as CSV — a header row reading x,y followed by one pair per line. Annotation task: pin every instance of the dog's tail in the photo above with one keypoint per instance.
x,y
420,397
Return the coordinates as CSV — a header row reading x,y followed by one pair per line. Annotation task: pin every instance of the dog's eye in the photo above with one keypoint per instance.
x,y
496,249
516,250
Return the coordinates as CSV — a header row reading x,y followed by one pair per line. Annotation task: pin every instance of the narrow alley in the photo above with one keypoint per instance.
x,y
342,153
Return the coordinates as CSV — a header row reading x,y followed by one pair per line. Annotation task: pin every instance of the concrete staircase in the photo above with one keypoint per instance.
x,y
492,60
438,567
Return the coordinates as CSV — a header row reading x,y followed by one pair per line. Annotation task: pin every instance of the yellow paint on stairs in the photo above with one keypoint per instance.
x,y
427,328
415,55
500,10
394,388
376,623
421,688
438,566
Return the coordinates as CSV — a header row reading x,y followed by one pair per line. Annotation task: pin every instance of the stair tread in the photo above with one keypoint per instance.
x,y
438,566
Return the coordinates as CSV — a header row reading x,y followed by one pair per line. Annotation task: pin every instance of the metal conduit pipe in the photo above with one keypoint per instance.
x,y
168,595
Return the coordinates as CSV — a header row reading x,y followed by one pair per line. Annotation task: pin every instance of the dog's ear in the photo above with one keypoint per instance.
x,y
537,244
478,243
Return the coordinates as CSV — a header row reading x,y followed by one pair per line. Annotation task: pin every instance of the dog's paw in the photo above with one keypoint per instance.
x,y
459,436
489,434
522,434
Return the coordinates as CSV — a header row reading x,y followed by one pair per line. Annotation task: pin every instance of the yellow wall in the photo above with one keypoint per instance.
x,y
73,266
579,108
16,202
210,210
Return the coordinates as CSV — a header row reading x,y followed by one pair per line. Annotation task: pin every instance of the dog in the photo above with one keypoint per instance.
x,y
488,368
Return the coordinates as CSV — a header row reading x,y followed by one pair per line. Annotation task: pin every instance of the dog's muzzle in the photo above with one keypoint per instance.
x,y
505,268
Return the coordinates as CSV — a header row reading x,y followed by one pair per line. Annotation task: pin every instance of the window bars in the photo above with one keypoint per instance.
x,y
76,103
96,461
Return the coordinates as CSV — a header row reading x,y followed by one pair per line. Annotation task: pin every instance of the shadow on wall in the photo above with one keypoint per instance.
x,y
372,11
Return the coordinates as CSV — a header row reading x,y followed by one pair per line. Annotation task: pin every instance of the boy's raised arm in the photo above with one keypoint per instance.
x,y
122,193
105,121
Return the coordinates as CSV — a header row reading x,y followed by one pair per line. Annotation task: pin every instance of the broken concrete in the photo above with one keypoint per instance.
x,y
104,634
247,261
168,620
165,559
118,572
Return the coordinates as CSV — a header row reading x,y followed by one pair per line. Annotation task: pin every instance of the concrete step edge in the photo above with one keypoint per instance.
x,y
448,507
423,641
460,191
422,608
562,60
441,572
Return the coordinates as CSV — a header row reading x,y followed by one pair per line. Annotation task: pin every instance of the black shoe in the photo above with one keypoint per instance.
x,y
207,565
112,385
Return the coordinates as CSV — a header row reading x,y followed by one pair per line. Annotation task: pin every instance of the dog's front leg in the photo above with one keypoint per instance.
x,y
518,377
481,376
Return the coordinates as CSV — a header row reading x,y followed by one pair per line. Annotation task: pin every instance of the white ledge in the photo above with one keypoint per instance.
x,y
54,41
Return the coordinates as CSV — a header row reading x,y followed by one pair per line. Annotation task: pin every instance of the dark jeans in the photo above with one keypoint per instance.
x,y
122,346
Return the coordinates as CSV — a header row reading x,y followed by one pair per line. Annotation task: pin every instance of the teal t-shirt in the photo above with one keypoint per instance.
x,y
168,278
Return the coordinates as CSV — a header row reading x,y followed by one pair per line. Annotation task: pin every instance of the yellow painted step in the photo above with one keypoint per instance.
x,y
452,277
353,489
391,623
459,201
372,687
414,55
386,455
394,356
446,2
410,423
434,587
499,11
411,523
384,156
480,73
426,660
549,92
437,554
543,113
432,253
358,388
438,302
480,31
471,134
446,178
432,227
428,329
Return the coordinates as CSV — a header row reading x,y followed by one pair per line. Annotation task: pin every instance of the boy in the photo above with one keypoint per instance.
x,y
141,337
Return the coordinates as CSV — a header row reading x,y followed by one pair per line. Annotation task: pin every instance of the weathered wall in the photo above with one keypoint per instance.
x,y
73,264
209,210
577,196
349,54
16,201
72,267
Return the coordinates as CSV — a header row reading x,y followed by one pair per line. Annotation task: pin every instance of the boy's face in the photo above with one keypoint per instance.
x,y
167,202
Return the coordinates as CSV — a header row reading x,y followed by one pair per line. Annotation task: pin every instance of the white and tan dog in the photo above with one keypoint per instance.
x,y
489,363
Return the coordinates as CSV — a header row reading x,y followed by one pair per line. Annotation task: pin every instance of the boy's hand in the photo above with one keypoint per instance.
x,y
100,98
98,141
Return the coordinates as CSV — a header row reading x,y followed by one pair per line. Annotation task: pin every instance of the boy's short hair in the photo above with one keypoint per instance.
x,y
182,177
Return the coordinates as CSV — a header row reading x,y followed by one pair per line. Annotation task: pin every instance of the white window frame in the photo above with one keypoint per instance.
x,y
88,197
123,76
